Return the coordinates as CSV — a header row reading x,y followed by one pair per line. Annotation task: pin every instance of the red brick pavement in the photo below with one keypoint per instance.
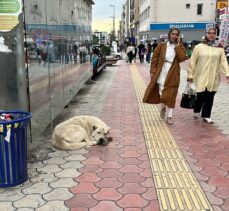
x,y
117,177
206,150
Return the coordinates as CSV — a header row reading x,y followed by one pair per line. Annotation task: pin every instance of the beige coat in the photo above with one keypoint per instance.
x,y
205,65
172,81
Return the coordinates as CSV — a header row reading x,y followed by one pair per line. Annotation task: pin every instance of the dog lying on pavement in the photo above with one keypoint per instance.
x,y
80,131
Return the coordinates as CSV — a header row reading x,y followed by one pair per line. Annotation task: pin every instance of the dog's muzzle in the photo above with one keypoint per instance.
x,y
103,142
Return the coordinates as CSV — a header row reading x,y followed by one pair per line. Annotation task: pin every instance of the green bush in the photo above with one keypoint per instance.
x,y
105,50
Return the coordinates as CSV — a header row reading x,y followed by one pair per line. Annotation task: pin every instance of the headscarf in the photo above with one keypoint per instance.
x,y
206,40
170,32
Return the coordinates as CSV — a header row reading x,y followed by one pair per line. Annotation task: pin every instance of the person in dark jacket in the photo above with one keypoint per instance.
x,y
148,52
141,51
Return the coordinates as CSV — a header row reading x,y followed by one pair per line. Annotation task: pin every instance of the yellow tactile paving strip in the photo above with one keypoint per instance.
x,y
176,186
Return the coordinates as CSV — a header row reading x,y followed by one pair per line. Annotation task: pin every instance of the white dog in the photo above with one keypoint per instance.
x,y
80,131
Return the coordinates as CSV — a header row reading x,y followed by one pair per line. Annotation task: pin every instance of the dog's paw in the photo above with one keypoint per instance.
x,y
93,143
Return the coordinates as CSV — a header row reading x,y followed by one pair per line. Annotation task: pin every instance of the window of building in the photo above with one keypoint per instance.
x,y
187,6
199,9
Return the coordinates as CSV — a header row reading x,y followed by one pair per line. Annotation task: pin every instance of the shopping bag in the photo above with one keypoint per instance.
x,y
188,97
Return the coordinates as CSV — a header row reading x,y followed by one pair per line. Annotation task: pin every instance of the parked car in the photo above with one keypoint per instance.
x,y
117,55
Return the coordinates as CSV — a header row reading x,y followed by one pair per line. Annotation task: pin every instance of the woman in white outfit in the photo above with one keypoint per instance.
x,y
165,75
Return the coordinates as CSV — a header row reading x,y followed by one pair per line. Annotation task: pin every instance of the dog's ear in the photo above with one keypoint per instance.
x,y
107,130
94,128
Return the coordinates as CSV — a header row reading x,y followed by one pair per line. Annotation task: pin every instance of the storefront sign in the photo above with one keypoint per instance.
x,y
181,26
9,12
222,4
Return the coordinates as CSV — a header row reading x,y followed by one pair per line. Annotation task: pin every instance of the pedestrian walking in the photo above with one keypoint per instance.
x,y
148,52
130,52
44,52
135,53
165,75
141,51
94,60
204,70
155,44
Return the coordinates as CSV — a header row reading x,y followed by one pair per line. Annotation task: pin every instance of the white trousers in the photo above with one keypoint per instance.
x,y
169,111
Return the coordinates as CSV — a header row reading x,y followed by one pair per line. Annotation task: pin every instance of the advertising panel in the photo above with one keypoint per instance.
x,y
224,30
9,12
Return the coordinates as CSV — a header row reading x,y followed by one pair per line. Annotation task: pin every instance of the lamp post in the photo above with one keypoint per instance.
x,y
111,5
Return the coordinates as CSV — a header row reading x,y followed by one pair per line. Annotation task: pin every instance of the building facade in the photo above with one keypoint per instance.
x,y
102,36
191,17
156,17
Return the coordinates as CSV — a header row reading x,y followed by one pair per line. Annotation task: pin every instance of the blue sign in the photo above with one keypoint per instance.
x,y
181,26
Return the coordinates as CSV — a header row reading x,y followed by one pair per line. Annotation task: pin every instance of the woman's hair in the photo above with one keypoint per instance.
x,y
205,38
171,30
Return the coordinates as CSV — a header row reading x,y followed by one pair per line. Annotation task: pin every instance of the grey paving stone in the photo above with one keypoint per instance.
x,y
25,209
63,183
53,206
6,206
72,164
11,195
35,165
2,190
49,169
79,151
59,153
44,177
71,173
75,157
29,201
38,188
55,161
58,194
26,184
32,173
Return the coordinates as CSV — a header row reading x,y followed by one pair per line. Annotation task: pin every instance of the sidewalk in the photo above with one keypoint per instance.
x,y
148,166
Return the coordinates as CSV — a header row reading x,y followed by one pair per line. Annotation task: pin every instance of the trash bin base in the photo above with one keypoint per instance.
x,y
14,184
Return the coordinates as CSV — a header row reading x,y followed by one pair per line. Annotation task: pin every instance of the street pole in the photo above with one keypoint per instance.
x,y
111,5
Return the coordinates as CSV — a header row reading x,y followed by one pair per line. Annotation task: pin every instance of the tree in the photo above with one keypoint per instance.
x,y
95,39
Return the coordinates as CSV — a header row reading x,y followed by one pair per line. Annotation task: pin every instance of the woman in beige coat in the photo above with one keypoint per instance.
x,y
165,74
206,62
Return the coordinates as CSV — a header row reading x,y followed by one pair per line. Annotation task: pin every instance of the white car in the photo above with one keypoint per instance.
x,y
117,55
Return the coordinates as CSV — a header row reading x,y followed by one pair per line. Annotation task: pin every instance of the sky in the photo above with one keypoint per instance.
x,y
102,12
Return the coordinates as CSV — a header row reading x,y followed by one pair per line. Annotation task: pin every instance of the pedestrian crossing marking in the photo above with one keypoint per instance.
x,y
176,185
